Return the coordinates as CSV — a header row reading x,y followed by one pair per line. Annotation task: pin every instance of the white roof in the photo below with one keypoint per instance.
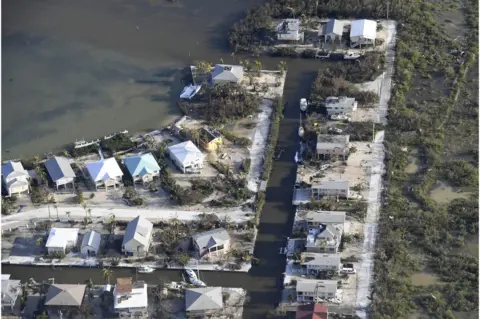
x,y
364,28
59,237
14,174
185,152
91,239
138,298
104,169
320,259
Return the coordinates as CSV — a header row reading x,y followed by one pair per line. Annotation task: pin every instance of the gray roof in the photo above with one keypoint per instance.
x,y
324,286
325,141
139,229
327,217
325,184
224,72
92,239
334,26
59,167
320,259
211,238
65,295
207,298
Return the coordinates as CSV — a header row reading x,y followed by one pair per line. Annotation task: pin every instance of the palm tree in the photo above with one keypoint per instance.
x,y
221,61
107,274
258,66
56,208
282,66
66,154
68,214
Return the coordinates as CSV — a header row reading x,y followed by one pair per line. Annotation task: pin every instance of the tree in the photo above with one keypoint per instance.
x,y
56,208
203,67
282,66
68,215
39,241
183,259
107,274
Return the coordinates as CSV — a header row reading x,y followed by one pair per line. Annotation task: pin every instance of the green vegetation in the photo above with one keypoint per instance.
x,y
243,141
132,196
246,162
277,115
9,204
120,142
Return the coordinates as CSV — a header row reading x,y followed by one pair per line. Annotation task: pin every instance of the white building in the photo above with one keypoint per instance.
x,y
336,145
60,171
15,178
138,234
324,238
11,289
332,30
90,243
330,188
311,219
61,239
311,290
187,157
289,30
340,105
363,32
316,262
105,173
130,299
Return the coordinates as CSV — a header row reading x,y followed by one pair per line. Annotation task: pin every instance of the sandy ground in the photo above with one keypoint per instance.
x,y
365,273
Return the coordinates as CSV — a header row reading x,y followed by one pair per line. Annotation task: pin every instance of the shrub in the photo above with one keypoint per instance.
x,y
460,173
308,54
285,52
245,166
120,142
243,141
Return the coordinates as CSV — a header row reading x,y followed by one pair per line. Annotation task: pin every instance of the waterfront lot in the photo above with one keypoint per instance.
x,y
171,245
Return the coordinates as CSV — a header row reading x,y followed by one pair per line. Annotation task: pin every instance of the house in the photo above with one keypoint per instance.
x,y
11,289
289,30
61,239
64,300
312,311
130,299
315,262
333,145
363,32
136,240
340,105
330,188
311,219
186,156
333,31
214,242
142,168
91,243
311,290
223,73
201,302
105,173
210,139
15,178
324,239
60,171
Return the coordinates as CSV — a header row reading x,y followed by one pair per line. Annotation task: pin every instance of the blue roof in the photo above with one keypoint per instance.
x,y
141,165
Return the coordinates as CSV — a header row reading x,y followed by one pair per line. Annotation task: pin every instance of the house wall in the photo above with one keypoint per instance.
x,y
18,190
135,248
339,109
361,40
309,295
319,249
145,178
321,267
335,151
52,250
317,192
84,250
64,180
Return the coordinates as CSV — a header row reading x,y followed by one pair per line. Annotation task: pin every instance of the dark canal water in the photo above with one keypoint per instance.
x,y
82,69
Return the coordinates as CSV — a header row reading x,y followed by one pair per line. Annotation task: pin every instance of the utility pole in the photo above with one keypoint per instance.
x,y
388,7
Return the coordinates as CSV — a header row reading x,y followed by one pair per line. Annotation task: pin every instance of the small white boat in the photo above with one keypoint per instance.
x,y
351,56
322,56
83,143
339,117
190,91
303,105
145,270
301,131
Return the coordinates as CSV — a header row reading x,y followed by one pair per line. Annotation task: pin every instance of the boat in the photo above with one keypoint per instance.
x,y
303,105
193,279
190,91
145,270
301,131
351,56
322,56
83,143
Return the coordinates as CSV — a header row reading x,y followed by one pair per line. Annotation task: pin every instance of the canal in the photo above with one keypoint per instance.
x,y
198,34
